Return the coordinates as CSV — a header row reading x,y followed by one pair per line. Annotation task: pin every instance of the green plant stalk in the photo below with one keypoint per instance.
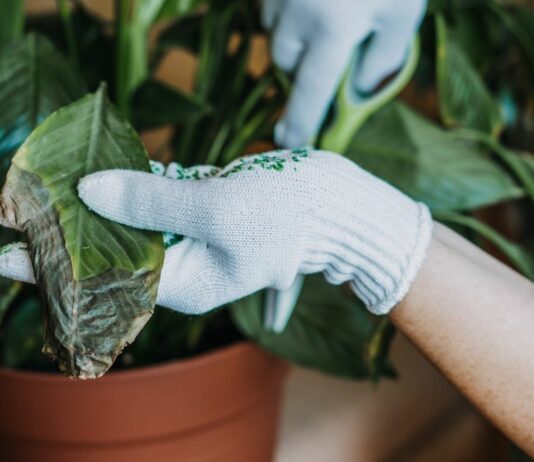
x,y
64,12
132,51
382,332
11,20
122,61
253,99
196,329
7,298
215,31
517,256
248,132
229,111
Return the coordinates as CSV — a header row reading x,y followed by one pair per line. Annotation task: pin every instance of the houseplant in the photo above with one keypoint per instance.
x,y
460,158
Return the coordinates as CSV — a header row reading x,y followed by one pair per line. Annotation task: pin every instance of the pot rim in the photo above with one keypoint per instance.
x,y
148,372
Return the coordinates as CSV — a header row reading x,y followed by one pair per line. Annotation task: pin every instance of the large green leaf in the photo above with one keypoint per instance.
x,y
430,164
35,80
329,330
98,279
155,104
464,99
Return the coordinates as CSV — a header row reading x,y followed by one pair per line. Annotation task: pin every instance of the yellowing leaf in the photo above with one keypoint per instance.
x,y
98,279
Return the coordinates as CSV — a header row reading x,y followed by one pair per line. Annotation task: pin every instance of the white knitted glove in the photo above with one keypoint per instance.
x,y
316,39
264,219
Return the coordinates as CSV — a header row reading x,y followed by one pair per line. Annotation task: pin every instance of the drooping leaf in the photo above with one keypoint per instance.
x,y
98,279
329,330
464,99
35,80
11,20
519,257
429,164
155,104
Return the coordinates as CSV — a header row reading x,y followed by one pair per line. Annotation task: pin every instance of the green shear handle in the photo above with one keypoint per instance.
x,y
351,110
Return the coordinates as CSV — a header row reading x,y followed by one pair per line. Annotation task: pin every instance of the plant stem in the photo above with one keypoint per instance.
x,y
239,122
214,38
7,297
66,17
122,58
517,255
11,20
248,132
380,337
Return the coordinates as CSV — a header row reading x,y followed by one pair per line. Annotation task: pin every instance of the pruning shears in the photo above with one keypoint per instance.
x,y
351,109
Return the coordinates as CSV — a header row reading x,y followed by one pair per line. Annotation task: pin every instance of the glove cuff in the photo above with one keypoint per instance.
x,y
416,256
365,232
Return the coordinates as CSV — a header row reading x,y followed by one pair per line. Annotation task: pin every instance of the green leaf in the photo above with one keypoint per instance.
x,y
521,164
21,346
98,279
35,80
528,160
11,20
429,164
93,45
519,19
330,330
184,33
518,256
176,8
155,104
464,99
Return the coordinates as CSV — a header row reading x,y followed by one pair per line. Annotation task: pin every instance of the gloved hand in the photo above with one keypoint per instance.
x,y
260,221
316,39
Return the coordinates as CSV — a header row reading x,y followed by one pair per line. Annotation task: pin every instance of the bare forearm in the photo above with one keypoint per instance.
x,y
474,318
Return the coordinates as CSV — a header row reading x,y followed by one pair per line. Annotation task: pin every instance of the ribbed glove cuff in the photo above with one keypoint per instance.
x,y
415,257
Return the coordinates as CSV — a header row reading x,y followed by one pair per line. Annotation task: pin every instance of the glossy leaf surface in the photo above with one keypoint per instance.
x,y
329,330
464,98
429,164
35,80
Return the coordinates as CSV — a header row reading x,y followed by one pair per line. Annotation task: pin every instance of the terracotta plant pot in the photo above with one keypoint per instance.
x,y
221,406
